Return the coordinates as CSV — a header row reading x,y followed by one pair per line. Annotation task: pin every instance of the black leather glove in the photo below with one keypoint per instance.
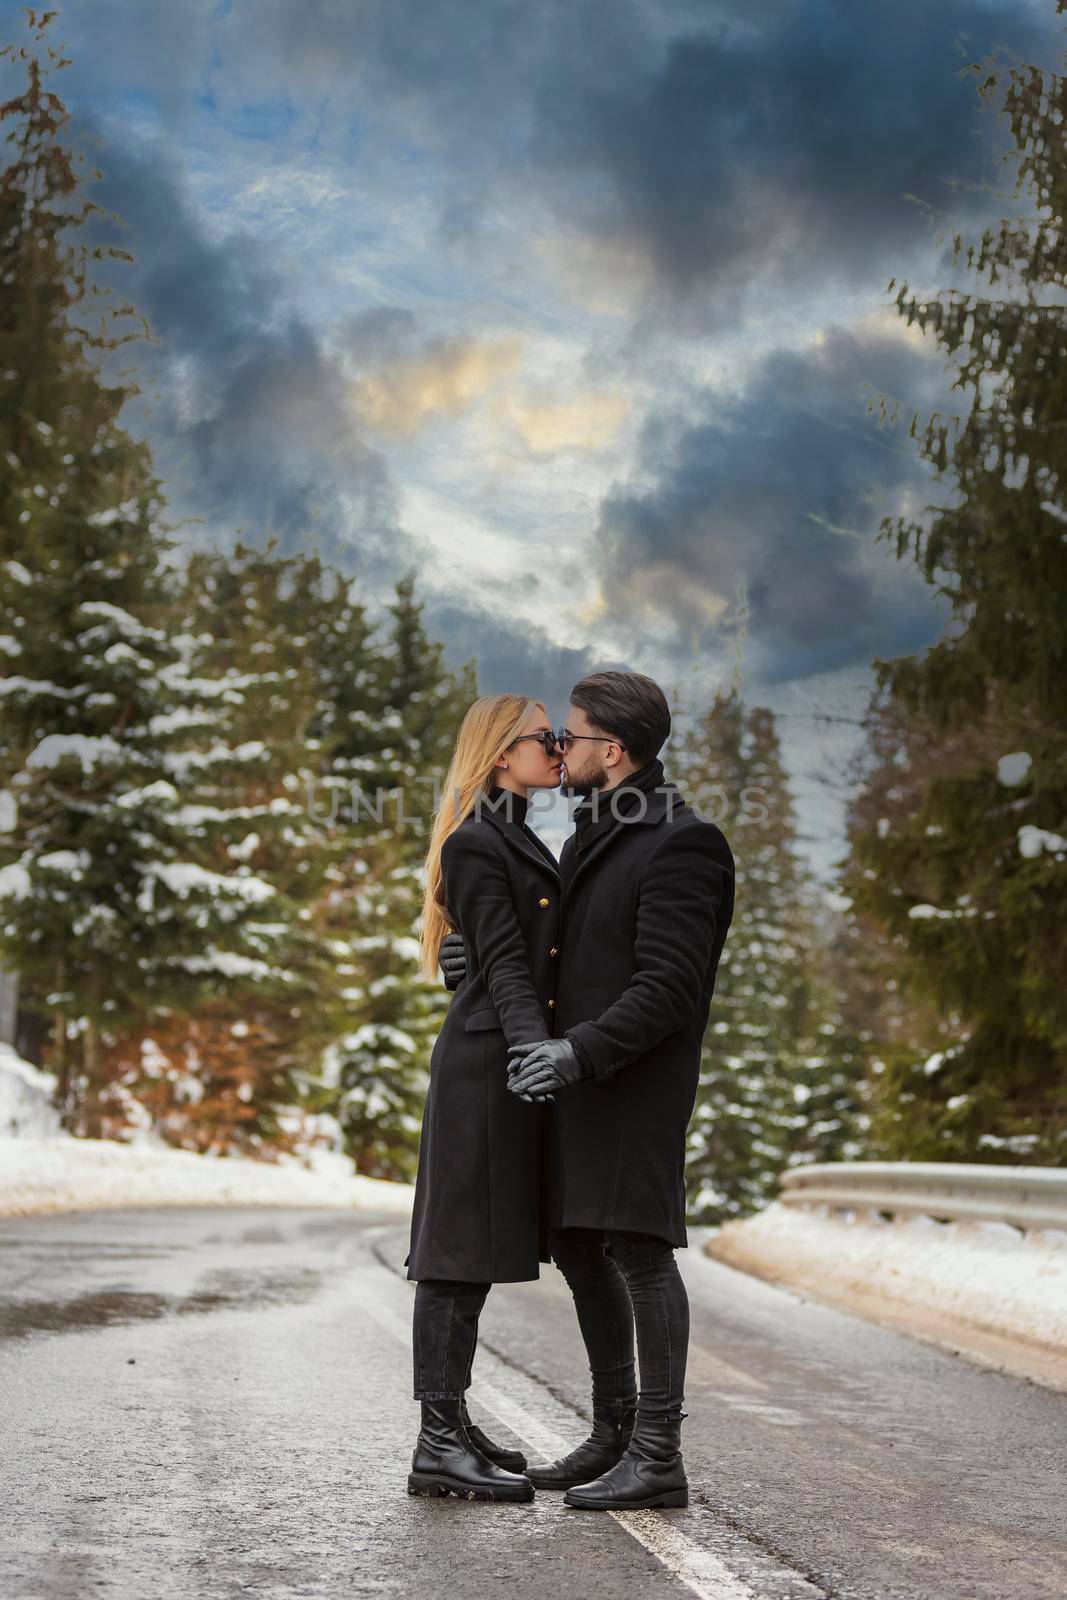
x,y
540,1068
453,959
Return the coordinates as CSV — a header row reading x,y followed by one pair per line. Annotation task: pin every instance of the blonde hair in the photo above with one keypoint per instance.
x,y
489,726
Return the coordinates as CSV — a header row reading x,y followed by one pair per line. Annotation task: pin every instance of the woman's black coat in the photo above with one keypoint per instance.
x,y
478,1208
645,914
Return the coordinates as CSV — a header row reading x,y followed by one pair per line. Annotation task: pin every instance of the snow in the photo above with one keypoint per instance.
x,y
244,847
985,1274
45,1170
180,762
1033,840
72,862
935,1062
25,1098
56,747
176,721
63,1174
122,619
924,913
372,1033
104,519
1012,769
15,882
160,790
182,877
193,816
232,965
43,686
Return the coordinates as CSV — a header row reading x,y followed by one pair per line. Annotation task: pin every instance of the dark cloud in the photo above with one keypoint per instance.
x,y
729,145
246,408
776,492
513,657
784,149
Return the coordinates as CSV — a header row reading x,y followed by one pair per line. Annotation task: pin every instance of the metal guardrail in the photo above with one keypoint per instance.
x,y
1026,1197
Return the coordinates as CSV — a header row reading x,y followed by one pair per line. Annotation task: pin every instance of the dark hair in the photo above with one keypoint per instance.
x,y
629,706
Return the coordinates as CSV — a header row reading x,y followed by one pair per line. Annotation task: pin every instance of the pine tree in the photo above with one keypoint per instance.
x,y
969,883
83,590
250,626
377,1071
778,1076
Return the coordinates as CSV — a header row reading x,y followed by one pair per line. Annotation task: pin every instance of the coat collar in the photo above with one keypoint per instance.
x,y
513,835
664,799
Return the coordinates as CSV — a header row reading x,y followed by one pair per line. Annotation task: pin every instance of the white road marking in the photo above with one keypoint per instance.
x,y
699,1569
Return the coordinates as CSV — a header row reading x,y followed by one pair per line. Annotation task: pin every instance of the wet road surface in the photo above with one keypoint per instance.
x,y
217,1402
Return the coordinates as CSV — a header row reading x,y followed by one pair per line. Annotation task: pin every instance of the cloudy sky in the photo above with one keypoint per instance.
x,y
574,305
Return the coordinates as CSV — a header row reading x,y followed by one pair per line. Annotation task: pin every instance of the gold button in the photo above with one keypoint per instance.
x,y
543,903
554,951
551,1004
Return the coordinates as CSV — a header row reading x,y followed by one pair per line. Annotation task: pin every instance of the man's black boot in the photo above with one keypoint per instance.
x,y
650,1472
446,1462
612,1424
511,1460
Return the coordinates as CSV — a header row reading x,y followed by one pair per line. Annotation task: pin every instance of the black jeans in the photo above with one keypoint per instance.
x,y
444,1334
622,1282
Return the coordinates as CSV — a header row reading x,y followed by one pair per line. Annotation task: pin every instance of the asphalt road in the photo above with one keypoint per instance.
x,y
218,1403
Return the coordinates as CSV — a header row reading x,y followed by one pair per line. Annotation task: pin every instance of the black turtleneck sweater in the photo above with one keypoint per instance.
x,y
513,808
506,803
600,812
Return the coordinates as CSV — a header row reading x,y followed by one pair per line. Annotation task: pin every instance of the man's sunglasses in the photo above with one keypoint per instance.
x,y
562,738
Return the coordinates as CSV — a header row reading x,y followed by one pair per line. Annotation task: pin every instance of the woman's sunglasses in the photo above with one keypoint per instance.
x,y
562,738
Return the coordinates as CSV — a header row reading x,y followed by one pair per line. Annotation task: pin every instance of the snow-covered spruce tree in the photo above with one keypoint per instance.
x,y
385,770
778,1075
106,906
970,884
82,556
252,628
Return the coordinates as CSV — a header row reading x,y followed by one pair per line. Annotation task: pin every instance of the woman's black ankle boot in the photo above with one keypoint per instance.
x,y
511,1460
445,1461
650,1472
612,1426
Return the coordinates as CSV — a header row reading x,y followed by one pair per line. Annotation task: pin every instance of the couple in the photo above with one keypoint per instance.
x,y
563,1079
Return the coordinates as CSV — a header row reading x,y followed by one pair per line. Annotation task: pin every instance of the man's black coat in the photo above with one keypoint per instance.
x,y
645,915
479,1211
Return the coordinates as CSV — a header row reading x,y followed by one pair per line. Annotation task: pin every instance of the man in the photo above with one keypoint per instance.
x,y
648,890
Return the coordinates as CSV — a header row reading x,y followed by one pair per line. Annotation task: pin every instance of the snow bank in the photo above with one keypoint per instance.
x,y
984,1275
64,1174
26,1108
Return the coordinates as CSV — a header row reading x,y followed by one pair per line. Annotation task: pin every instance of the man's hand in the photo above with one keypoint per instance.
x,y
516,1051
453,960
538,1069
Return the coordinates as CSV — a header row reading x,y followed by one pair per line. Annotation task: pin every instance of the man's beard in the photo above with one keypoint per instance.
x,y
595,778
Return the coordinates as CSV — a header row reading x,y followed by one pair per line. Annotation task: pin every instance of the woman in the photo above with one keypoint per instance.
x,y
477,1215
